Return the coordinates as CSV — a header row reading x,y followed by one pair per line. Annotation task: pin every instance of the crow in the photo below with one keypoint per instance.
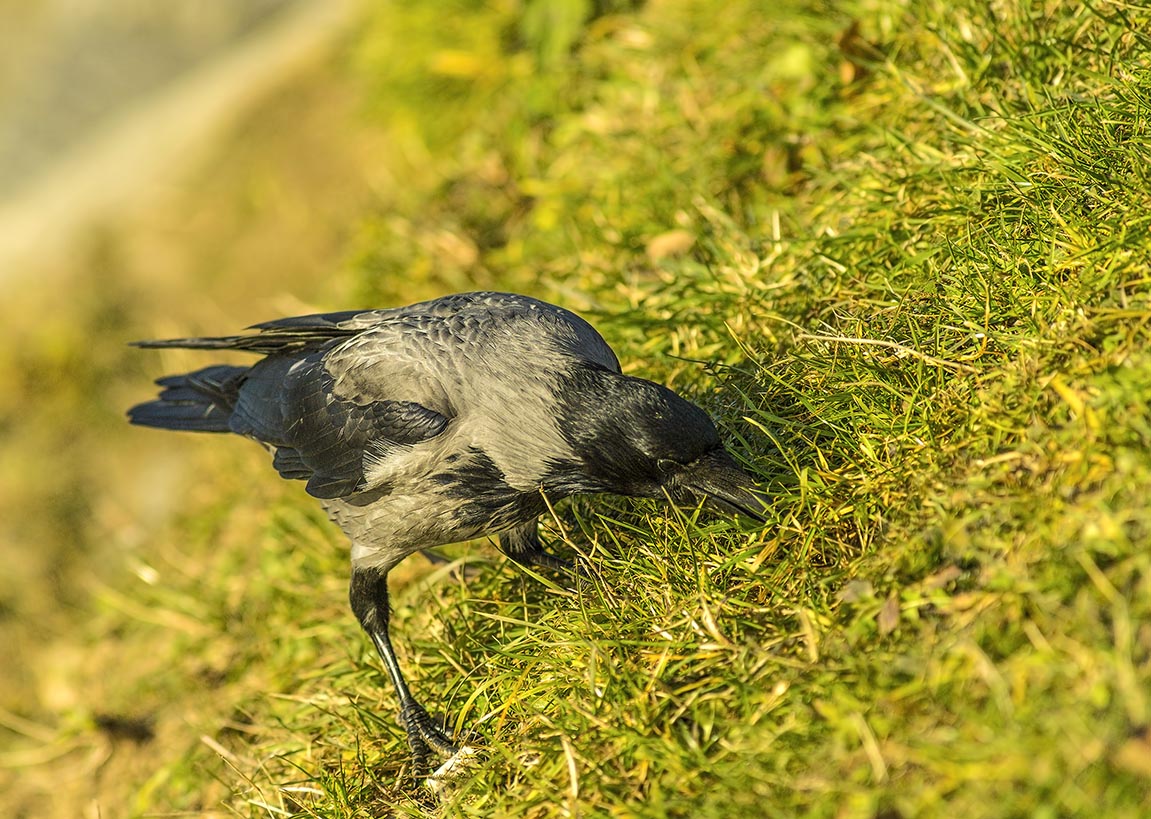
x,y
444,421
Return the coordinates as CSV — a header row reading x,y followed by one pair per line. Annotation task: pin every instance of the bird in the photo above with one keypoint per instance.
x,y
445,421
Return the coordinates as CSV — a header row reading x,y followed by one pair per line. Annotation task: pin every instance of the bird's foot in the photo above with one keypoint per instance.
x,y
424,735
524,546
546,560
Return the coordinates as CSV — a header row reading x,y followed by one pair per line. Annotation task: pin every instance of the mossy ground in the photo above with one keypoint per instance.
x,y
900,251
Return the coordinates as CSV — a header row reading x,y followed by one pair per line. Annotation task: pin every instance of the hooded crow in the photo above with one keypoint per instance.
x,y
445,421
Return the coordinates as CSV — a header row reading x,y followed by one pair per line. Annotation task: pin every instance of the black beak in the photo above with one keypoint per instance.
x,y
716,477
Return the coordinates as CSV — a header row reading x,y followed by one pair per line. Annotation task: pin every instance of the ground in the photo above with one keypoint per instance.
x,y
899,251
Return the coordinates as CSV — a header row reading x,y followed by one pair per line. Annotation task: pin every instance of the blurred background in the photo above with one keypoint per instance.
x,y
165,168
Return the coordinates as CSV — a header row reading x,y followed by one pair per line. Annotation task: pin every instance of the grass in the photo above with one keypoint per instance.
x,y
900,252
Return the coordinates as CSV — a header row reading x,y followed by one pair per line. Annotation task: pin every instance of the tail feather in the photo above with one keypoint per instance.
x,y
284,335
251,344
201,401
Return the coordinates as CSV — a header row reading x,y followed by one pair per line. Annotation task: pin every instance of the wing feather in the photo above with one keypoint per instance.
x,y
323,437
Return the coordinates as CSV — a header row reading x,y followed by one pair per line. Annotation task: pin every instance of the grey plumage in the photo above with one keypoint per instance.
x,y
444,421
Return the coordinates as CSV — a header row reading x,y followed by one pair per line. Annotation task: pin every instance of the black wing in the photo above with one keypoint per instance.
x,y
293,404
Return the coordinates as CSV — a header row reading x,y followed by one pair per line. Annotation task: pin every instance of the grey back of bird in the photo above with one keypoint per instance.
x,y
452,401
460,394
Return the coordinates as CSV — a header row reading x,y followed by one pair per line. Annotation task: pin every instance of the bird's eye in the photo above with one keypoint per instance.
x,y
666,465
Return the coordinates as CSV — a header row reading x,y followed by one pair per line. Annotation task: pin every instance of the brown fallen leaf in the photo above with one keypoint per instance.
x,y
672,243
888,617
1134,756
942,577
855,590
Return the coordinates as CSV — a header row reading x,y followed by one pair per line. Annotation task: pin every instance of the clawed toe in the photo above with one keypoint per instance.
x,y
424,735
547,560
524,547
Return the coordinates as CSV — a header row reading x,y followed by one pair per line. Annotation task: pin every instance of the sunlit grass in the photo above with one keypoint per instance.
x,y
925,327
906,270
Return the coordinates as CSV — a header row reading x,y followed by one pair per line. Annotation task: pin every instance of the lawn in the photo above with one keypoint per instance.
x,y
898,250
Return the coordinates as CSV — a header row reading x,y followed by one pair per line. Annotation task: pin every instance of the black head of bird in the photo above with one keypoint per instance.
x,y
638,438
445,421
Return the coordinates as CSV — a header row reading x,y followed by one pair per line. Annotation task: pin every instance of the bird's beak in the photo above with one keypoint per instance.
x,y
716,477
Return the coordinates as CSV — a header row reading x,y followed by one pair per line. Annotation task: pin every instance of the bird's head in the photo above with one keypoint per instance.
x,y
635,437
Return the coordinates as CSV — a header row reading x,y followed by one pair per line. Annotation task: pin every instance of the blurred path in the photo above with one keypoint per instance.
x,y
104,102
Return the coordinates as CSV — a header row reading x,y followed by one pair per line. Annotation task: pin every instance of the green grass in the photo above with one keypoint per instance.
x,y
907,271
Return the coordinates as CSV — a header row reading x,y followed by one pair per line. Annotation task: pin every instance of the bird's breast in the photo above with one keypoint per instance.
x,y
462,496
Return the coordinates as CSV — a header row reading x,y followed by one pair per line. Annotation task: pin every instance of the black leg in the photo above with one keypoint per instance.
x,y
523,546
435,558
466,572
369,598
